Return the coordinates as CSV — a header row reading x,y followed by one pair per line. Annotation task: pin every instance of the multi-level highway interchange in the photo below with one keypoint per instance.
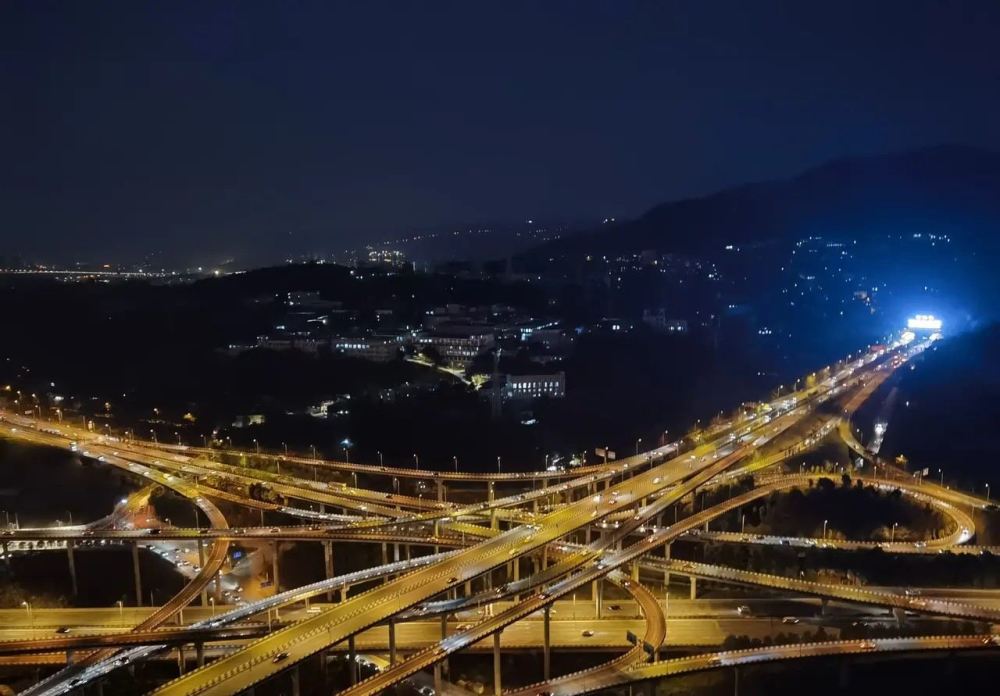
x,y
575,529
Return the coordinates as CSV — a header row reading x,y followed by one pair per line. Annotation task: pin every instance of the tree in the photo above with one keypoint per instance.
x,y
433,354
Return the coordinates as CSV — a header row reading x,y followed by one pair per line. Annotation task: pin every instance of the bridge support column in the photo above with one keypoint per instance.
x,y
494,524
328,563
69,555
392,642
385,553
441,496
845,674
694,587
598,592
437,677
468,588
547,644
706,525
294,674
275,579
201,562
497,686
444,634
343,593
181,661
135,573
443,664
489,491
352,658
666,573
199,654
823,602
395,552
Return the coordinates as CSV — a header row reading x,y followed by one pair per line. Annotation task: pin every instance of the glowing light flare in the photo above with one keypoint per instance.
x,y
924,321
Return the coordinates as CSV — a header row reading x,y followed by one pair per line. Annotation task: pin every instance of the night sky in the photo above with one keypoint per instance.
x,y
204,129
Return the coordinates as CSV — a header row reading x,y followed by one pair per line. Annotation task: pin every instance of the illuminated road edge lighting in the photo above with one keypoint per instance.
x,y
924,321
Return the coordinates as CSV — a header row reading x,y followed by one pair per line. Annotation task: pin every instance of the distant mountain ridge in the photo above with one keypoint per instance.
x,y
952,188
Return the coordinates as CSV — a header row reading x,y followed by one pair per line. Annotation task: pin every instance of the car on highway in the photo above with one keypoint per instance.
x,y
63,630
280,657
587,633
743,610
790,620
867,645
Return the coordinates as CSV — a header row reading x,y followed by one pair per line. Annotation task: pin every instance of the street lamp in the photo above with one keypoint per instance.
x,y
498,466
121,609
824,529
346,444
153,433
256,446
637,443
987,492
416,461
379,457
941,472
211,600
743,523
455,461
892,534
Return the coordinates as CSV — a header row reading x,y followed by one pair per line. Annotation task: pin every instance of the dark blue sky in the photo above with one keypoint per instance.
x,y
200,129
